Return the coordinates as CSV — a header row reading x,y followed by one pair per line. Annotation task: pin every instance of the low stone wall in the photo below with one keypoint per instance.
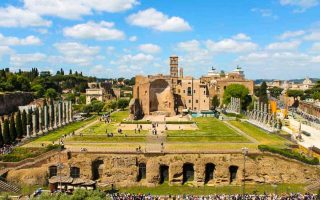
x,y
123,169
9,102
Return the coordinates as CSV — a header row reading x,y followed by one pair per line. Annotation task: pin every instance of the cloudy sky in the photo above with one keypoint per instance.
x,y
112,38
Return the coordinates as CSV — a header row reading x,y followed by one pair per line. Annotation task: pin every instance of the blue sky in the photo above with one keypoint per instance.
x,y
112,38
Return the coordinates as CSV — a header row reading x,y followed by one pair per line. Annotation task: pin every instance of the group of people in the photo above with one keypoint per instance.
x,y
6,149
106,118
291,196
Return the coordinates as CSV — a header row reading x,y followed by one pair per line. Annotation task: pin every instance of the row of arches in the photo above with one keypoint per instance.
x,y
188,172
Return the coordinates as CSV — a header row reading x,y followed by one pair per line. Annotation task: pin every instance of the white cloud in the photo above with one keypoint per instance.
x,y
151,18
264,13
241,36
313,36
133,38
101,71
302,5
230,46
13,41
71,9
315,47
91,30
77,53
284,46
5,50
189,46
21,59
150,48
291,34
16,17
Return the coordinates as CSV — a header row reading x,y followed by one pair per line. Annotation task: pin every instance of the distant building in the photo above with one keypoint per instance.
x,y
100,91
174,93
305,85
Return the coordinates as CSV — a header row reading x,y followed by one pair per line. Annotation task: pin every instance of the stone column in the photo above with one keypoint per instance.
x,y
67,112
63,113
34,133
59,114
50,118
40,121
45,109
70,112
28,131
54,116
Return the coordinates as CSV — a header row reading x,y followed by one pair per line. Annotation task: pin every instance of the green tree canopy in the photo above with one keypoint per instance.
x,y
123,103
215,101
6,132
263,96
238,91
13,132
51,93
19,128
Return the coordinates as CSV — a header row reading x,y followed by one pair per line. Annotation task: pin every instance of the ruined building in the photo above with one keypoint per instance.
x,y
175,93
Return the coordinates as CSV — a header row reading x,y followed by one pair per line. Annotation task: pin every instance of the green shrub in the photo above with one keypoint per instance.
x,y
289,154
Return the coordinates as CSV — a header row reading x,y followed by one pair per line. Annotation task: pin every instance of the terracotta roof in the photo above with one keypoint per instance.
x,y
62,179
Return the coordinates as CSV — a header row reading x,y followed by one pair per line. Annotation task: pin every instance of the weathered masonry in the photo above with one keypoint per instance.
x,y
176,169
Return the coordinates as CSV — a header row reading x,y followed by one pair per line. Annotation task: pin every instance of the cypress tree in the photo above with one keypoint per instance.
x,y
29,119
1,138
19,125
37,119
51,112
13,132
6,132
263,96
24,122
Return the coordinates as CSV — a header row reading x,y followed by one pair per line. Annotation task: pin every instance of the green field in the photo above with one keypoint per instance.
x,y
55,135
104,138
262,136
210,130
165,189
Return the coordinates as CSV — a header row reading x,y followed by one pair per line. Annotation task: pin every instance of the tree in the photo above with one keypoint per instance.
x,y
24,122
275,92
123,103
316,96
71,97
29,119
215,102
238,91
6,132
1,138
38,89
13,132
263,96
97,106
295,93
51,93
19,128
110,105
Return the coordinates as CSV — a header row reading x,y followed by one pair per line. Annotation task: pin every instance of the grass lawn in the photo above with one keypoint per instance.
x,y
210,130
21,153
165,189
262,136
104,138
55,135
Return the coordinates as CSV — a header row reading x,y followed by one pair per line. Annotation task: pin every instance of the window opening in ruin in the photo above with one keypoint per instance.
x,y
209,172
142,172
188,172
233,173
164,173
189,91
53,171
97,169
75,172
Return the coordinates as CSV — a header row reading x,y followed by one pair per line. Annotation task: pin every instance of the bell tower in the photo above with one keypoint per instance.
x,y
174,71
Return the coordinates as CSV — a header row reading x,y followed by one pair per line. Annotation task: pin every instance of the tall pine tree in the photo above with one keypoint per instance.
x,y
29,119
24,122
13,132
6,132
1,138
19,125
263,96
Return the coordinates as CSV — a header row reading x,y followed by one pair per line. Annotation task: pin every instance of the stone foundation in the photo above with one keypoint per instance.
x,y
123,170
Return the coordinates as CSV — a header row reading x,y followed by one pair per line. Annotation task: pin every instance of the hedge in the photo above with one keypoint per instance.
x,y
289,154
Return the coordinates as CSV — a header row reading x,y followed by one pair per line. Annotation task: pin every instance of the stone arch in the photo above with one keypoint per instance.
x,y
142,171
97,169
159,90
209,172
233,170
164,173
188,172
75,172
53,171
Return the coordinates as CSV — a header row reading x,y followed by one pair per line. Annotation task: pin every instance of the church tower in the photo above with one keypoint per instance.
x,y
174,71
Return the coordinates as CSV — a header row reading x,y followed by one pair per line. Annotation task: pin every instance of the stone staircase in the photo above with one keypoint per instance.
x,y
7,187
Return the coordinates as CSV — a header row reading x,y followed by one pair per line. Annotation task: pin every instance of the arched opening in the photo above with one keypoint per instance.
x,y
53,171
209,172
142,171
97,169
75,172
233,173
164,173
188,172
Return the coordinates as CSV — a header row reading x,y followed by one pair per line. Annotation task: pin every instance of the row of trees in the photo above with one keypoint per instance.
x,y
98,106
13,128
